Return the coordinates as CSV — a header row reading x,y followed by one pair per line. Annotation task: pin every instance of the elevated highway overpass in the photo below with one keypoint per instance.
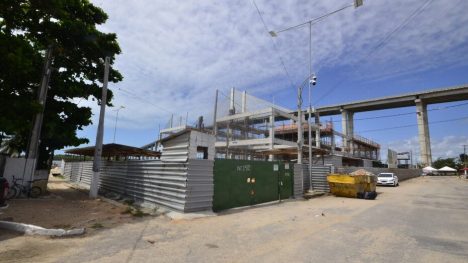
x,y
442,95
419,99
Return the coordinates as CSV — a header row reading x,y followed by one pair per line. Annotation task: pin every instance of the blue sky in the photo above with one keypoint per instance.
x,y
177,53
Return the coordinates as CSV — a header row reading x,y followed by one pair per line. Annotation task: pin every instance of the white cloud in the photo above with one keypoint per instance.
x,y
446,147
176,53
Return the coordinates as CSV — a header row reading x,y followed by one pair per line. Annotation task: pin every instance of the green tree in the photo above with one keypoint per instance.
x,y
462,158
379,164
27,29
439,163
460,161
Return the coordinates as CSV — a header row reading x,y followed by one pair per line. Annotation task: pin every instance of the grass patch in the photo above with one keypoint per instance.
x,y
129,201
128,210
134,211
139,213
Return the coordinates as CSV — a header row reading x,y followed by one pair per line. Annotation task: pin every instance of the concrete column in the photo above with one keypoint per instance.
x,y
244,109
272,129
244,101
423,132
332,142
232,107
344,127
347,124
351,131
317,131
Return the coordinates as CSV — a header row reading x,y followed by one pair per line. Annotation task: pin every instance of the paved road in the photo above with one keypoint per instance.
x,y
423,220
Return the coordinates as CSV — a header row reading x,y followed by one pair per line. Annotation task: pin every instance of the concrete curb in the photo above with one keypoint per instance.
x,y
37,230
174,215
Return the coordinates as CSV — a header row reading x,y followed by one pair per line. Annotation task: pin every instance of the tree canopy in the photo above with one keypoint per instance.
x,y
450,162
27,29
456,163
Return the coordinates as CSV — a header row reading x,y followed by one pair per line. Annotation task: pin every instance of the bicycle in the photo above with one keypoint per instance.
x,y
17,189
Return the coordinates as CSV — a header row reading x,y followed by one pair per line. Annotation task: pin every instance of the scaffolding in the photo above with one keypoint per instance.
x,y
249,128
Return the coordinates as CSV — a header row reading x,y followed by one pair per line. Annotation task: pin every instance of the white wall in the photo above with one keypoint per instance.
x,y
201,139
16,167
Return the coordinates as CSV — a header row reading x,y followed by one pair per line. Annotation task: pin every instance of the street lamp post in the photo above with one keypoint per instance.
x,y
116,119
312,81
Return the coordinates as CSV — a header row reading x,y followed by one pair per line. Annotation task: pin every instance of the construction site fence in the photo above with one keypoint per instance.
x,y
314,179
182,186
403,174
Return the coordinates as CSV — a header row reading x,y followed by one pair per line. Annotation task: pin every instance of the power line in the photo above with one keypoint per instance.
x,y
382,43
411,125
144,100
315,20
402,25
151,103
274,45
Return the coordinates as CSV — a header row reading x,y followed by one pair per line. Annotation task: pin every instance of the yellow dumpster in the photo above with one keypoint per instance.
x,y
353,185
347,185
371,183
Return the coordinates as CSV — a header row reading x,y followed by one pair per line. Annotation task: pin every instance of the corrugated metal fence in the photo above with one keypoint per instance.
x,y
319,179
79,172
302,179
186,186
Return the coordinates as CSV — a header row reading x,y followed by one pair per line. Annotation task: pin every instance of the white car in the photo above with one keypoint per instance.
x,y
387,179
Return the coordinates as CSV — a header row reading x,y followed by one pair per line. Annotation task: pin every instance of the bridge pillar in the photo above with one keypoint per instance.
x,y
347,127
423,133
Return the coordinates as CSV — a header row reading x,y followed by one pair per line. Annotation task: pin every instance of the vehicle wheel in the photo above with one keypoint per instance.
x,y
35,192
12,192
397,184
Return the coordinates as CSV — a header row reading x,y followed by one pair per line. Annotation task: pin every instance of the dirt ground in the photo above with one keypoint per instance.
x,y
66,207
423,220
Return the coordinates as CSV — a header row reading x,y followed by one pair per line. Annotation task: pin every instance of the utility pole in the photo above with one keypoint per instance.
x,y
464,159
411,158
299,125
93,191
215,127
32,152
310,107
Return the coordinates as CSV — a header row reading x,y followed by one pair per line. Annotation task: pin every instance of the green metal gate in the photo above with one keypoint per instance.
x,y
242,183
286,182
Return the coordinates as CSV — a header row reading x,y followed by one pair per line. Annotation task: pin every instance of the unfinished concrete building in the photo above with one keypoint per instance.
x,y
253,129
249,128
